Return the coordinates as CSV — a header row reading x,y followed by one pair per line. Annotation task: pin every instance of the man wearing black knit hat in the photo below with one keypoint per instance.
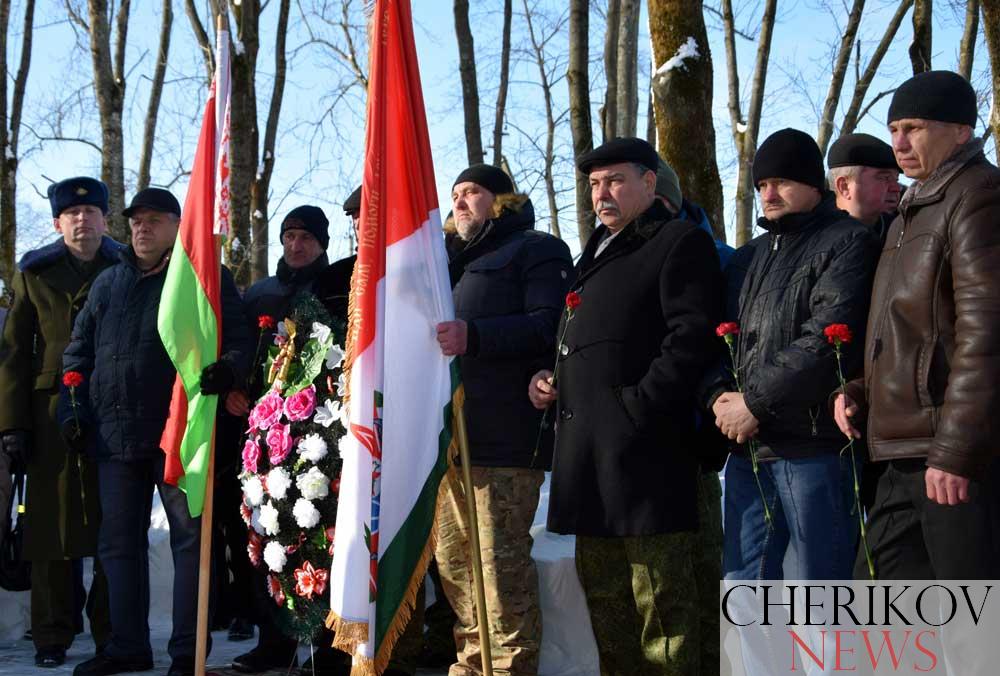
x,y
865,178
625,471
812,267
508,282
932,359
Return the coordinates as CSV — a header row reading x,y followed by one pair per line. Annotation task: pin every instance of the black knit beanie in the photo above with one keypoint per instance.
x,y
790,154
939,95
308,218
492,178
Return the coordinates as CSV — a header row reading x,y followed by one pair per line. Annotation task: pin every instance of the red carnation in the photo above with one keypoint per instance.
x,y
266,322
573,300
727,329
837,334
72,379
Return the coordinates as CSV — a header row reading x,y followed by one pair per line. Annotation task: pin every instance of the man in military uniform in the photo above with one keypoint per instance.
x,y
63,511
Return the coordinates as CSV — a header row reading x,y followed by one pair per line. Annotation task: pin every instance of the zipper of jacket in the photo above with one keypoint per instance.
x,y
777,243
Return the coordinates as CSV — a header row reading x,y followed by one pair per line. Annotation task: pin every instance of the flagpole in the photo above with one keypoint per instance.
x,y
485,649
205,567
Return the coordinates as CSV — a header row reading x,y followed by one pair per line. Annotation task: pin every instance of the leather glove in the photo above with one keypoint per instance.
x,y
217,378
16,446
76,435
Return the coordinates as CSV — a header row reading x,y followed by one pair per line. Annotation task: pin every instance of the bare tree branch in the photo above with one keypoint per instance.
x,y
504,77
577,77
967,50
155,92
470,88
839,73
208,54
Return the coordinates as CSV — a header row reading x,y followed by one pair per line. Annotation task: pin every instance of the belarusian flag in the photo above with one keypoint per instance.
x,y
190,317
400,386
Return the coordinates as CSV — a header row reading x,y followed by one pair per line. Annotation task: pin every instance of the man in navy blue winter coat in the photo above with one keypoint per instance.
x,y
120,417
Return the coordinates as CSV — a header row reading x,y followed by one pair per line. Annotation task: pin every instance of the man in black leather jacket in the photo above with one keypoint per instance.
x,y
509,283
812,267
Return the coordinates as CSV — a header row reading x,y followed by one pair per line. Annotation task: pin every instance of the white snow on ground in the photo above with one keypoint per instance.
x,y
688,50
568,647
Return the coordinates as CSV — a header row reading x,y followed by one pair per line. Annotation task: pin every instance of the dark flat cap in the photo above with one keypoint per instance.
x,y
861,150
619,150
939,95
790,154
77,190
492,178
353,202
156,199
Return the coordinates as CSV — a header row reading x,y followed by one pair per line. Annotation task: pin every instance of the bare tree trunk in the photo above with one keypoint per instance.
x,y
840,65
155,92
578,79
745,132
550,124
920,48
109,87
609,112
861,87
10,127
991,28
967,51
628,69
262,180
683,104
508,11
470,89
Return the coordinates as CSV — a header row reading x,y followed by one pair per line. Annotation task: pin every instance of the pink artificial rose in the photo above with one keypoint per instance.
x,y
267,411
301,405
251,454
279,443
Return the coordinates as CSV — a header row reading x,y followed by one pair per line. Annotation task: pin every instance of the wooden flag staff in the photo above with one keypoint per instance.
x,y
485,649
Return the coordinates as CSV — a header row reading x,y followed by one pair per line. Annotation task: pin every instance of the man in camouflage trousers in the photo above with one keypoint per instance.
x,y
509,282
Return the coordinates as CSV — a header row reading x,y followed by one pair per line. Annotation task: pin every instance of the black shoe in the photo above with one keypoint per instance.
x,y
264,658
240,630
101,665
50,658
181,668
327,662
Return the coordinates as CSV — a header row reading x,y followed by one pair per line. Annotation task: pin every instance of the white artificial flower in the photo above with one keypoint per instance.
x,y
313,484
278,482
255,522
334,357
343,445
306,516
328,413
341,386
269,519
312,447
274,556
253,490
320,332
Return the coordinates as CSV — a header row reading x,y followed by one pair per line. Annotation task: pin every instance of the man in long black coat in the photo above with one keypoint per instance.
x,y
625,470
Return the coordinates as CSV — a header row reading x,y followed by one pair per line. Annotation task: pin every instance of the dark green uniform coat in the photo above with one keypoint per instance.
x,y
62,513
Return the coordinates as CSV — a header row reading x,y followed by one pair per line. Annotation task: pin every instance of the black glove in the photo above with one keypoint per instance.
x,y
217,378
16,446
76,435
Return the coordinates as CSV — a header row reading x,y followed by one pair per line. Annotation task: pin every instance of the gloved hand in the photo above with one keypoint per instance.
x,y
217,378
76,435
15,445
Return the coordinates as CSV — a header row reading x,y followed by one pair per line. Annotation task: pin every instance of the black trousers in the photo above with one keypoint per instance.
x,y
913,538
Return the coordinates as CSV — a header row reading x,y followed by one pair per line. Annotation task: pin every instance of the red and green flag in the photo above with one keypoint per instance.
x,y
190,317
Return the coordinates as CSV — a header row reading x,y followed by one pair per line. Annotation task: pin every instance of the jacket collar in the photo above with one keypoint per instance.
x,y
631,237
932,188
50,253
801,220
301,276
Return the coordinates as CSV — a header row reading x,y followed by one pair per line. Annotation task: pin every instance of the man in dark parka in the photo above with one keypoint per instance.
x,y
508,282
62,510
625,470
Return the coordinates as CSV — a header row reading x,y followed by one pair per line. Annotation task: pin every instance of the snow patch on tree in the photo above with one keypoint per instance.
x,y
688,50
